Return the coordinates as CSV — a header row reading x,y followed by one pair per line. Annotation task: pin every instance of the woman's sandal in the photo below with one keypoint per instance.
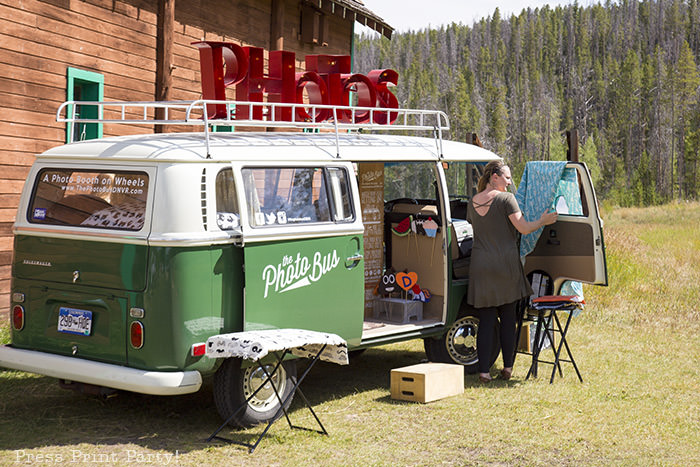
x,y
485,379
506,374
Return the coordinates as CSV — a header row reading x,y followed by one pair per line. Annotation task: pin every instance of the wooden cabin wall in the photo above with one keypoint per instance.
x,y
40,39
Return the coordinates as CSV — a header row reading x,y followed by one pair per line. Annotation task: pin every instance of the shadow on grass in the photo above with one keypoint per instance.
x,y
368,371
36,412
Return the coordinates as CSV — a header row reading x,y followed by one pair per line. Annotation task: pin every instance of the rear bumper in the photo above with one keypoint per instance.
x,y
161,383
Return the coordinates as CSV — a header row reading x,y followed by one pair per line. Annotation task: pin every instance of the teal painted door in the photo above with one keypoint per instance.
x,y
315,284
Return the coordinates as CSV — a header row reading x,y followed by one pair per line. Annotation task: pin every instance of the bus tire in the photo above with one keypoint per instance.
x,y
458,344
233,385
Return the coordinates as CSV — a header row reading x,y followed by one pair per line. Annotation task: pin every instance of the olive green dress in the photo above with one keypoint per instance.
x,y
496,274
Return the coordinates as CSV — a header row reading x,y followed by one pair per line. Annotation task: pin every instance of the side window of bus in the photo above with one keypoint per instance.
x,y
410,181
462,182
340,199
296,195
227,213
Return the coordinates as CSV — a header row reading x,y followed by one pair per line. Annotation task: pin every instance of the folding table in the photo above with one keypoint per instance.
x,y
546,309
254,345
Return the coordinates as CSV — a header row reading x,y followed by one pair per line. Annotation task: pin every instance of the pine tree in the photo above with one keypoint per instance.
x,y
687,80
589,155
624,74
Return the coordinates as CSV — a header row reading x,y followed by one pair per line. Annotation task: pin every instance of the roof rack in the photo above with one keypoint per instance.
x,y
195,113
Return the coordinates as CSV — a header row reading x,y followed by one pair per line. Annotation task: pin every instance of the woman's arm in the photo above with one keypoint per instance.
x,y
525,227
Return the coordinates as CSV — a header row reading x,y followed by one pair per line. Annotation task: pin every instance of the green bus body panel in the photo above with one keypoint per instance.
x,y
192,294
43,269
456,289
307,284
195,292
100,264
106,342
457,292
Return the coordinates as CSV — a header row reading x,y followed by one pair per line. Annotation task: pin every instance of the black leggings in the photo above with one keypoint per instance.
x,y
487,326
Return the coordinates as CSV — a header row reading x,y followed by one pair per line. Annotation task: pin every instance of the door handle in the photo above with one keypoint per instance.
x,y
353,258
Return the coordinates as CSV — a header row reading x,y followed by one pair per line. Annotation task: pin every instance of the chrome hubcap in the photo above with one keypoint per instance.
x,y
461,340
265,398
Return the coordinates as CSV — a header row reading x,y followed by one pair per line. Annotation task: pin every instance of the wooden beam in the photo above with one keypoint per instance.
x,y
572,142
473,138
164,55
277,25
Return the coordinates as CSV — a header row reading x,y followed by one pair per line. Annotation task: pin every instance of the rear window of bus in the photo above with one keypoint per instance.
x,y
89,198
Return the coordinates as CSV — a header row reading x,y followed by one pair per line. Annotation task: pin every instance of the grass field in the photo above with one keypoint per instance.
x,y
637,344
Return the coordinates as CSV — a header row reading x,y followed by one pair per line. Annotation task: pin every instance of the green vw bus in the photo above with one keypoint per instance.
x,y
131,251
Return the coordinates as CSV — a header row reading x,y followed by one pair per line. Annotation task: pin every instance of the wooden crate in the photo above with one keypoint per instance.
x,y
427,382
527,338
524,342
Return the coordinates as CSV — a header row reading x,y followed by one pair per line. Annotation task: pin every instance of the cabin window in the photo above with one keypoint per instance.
x,y
463,178
462,181
410,181
84,86
89,198
297,195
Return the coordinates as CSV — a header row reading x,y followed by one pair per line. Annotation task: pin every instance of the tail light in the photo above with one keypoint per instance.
x,y
136,334
199,350
18,317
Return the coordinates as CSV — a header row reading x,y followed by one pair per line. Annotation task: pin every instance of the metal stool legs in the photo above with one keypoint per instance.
x,y
295,390
546,318
563,342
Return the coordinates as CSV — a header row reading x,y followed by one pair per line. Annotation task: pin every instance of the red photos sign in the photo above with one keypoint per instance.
x,y
327,81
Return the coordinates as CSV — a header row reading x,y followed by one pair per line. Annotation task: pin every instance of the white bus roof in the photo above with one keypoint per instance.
x,y
267,146
352,134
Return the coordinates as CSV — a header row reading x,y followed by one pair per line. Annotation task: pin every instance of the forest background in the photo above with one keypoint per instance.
x,y
623,74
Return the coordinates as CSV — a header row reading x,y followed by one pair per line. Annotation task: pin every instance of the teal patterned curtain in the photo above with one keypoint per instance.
x,y
537,193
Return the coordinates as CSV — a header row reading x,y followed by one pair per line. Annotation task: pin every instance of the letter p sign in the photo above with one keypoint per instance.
x,y
212,58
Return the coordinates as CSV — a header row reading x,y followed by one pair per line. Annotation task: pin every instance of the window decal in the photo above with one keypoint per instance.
x,y
296,195
86,198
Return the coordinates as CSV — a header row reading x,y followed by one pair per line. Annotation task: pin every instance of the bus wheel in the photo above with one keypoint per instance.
x,y
233,385
458,344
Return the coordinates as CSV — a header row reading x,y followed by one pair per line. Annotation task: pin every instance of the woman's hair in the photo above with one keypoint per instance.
x,y
493,167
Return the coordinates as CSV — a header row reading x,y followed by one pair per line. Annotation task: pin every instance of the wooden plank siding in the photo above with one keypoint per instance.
x,y
40,39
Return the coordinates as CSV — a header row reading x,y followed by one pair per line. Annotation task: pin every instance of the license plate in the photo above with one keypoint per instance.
x,y
74,321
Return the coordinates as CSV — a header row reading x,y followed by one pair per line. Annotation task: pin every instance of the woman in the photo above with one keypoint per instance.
x,y
496,278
